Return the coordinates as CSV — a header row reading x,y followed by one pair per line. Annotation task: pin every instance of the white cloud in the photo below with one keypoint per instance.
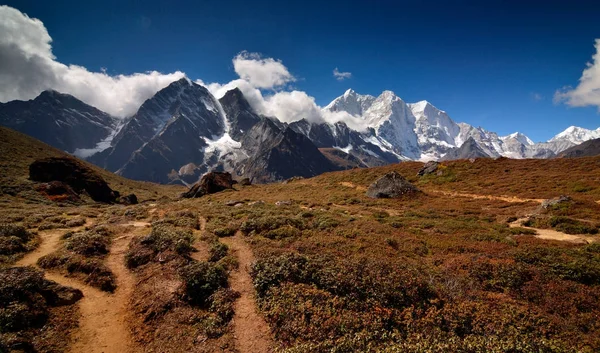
x,y
587,92
260,72
29,67
287,106
341,76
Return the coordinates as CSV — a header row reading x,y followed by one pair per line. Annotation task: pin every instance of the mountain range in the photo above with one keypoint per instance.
x,y
184,131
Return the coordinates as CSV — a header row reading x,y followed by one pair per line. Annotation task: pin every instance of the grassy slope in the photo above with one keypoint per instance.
x,y
18,151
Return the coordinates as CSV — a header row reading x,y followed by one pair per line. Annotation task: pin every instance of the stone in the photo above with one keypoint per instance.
x,y
210,183
391,185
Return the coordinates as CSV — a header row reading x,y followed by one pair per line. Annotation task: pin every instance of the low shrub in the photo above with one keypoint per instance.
x,y
217,251
202,280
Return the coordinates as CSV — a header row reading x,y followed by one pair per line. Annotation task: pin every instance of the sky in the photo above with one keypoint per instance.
x,y
527,66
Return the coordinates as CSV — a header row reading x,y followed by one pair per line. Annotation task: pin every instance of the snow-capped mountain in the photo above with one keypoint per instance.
x,y
420,131
61,120
183,131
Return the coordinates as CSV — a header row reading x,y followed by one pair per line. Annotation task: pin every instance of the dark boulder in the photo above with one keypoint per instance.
x,y
391,185
73,173
130,199
59,295
210,183
245,182
429,168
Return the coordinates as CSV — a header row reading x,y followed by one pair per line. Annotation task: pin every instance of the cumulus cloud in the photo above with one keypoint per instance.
x,y
287,106
29,67
587,92
266,73
341,76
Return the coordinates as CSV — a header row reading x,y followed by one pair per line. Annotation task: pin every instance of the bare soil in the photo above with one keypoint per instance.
x,y
251,332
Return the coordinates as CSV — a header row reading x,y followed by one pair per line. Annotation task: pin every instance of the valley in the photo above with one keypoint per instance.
x,y
485,257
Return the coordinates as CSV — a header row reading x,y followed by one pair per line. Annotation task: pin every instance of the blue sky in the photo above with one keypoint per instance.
x,y
496,64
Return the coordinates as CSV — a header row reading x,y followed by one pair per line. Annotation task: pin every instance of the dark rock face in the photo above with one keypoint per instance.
x,y
428,168
59,120
209,184
340,135
587,149
277,154
130,199
240,115
469,149
73,173
58,295
391,185
165,134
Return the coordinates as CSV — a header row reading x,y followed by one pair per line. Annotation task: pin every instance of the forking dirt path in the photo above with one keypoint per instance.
x,y
251,332
103,320
547,234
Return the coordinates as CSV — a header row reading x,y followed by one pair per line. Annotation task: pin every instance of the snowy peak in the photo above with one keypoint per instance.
x,y
351,103
576,135
519,137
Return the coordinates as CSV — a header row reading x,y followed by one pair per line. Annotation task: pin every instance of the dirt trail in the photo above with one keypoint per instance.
x,y
103,323
102,326
201,253
250,329
485,197
352,185
551,234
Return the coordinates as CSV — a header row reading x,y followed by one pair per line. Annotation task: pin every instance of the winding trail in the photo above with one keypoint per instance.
x,y
551,234
201,253
251,332
103,321
513,199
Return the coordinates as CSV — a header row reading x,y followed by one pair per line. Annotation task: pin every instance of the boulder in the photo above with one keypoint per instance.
x,y
245,182
429,168
73,173
555,201
130,199
210,183
59,295
391,185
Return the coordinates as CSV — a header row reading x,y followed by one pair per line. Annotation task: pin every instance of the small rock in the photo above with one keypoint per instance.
x,y
429,168
256,203
130,199
292,179
283,203
556,201
233,202
238,205
245,182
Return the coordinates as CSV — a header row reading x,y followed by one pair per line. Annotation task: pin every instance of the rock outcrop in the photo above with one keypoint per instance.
x,y
429,168
391,185
75,174
210,183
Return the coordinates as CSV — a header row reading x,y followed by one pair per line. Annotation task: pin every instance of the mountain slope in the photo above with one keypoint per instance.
x,y
586,149
60,120
469,149
278,154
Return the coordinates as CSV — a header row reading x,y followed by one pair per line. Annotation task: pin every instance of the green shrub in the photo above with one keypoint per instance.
x,y
217,251
202,279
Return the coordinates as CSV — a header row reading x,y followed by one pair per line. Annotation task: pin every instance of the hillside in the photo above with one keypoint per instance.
x,y
18,151
586,149
475,262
